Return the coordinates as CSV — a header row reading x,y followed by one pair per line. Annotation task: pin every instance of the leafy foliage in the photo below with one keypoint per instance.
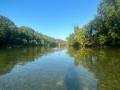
x,y
13,35
104,29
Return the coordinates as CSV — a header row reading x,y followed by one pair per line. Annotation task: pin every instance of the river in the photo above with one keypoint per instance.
x,y
42,68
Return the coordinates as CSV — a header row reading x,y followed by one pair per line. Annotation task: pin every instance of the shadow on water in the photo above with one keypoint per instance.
x,y
71,79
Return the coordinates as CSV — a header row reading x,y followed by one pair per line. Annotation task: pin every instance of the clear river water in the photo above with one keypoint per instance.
x,y
42,68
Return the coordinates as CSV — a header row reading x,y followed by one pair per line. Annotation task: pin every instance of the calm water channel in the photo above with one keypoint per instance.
x,y
60,69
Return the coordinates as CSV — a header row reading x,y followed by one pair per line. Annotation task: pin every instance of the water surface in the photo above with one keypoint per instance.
x,y
59,69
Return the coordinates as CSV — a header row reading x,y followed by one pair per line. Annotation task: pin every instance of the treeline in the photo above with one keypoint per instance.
x,y
10,34
103,30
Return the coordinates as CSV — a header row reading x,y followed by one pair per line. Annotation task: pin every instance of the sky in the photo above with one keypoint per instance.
x,y
55,18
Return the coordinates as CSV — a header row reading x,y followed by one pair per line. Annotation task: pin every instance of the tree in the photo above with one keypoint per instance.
x,y
70,39
13,35
104,29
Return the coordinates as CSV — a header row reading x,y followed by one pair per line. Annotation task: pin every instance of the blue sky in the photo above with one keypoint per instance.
x,y
54,18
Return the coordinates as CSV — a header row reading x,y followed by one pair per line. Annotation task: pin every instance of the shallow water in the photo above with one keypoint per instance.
x,y
60,69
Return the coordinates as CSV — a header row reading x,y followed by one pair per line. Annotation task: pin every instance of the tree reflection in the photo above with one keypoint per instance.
x,y
11,57
103,62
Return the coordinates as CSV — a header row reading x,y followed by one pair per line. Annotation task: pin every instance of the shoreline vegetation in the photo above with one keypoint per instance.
x,y
13,36
102,31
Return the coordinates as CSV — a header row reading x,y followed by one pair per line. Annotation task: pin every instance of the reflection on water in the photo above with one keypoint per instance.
x,y
59,69
104,63
11,57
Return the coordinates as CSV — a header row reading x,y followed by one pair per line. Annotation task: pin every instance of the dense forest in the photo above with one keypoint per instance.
x,y
103,30
11,35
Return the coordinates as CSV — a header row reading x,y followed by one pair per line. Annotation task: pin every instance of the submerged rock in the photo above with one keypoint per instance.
x,y
59,83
